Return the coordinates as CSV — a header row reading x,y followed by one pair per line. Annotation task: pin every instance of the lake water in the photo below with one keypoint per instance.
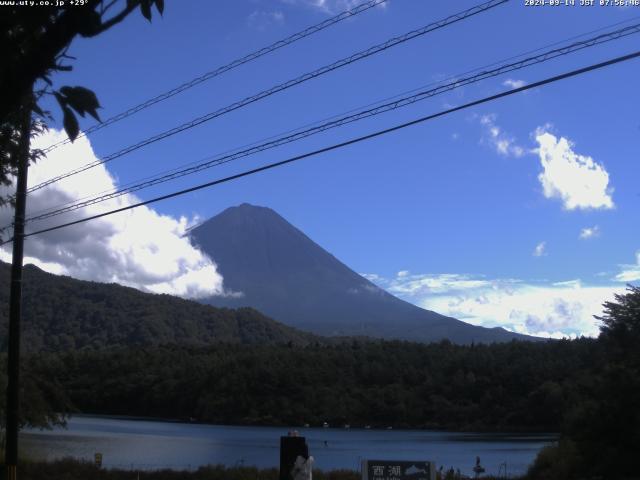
x,y
144,445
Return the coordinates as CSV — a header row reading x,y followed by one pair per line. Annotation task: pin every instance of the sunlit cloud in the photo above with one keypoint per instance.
x,y
558,309
140,248
590,232
511,83
332,6
631,272
262,20
540,250
578,180
503,143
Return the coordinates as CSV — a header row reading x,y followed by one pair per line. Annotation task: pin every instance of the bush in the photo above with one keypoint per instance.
x,y
559,461
71,469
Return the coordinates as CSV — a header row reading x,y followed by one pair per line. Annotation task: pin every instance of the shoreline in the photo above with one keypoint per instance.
x,y
543,433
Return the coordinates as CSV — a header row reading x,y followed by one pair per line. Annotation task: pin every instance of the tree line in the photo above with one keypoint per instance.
x,y
512,386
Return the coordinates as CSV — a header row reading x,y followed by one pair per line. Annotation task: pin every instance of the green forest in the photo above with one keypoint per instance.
x,y
514,386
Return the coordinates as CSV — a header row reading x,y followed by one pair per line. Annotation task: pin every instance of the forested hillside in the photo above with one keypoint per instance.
x,y
511,386
62,314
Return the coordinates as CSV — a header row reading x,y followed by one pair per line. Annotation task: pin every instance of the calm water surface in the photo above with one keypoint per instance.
x,y
141,444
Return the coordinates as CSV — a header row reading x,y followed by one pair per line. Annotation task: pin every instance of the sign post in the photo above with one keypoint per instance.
x,y
398,470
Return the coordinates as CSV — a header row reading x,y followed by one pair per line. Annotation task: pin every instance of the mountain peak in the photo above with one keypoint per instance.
x,y
254,242
245,212
283,273
248,208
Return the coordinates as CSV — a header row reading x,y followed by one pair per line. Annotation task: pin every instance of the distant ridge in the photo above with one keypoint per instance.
x,y
63,314
283,273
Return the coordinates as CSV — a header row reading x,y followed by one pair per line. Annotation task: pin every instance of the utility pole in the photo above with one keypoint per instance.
x,y
15,299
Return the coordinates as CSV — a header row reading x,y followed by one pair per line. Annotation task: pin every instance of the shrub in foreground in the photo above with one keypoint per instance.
x,y
71,469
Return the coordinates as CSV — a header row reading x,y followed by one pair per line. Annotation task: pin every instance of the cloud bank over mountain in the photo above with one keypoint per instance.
x,y
558,309
139,248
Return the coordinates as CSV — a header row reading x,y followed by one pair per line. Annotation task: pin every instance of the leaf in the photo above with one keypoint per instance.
x,y
72,101
82,100
160,6
70,123
62,101
145,8
89,24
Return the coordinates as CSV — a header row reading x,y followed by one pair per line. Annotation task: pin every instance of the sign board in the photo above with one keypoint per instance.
x,y
398,470
98,459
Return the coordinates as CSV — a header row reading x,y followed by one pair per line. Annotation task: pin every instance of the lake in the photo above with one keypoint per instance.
x,y
144,445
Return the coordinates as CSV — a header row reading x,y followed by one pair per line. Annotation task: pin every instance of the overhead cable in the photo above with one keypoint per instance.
x,y
369,112
225,68
283,86
352,141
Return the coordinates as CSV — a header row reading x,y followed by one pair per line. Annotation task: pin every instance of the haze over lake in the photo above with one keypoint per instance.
x,y
143,445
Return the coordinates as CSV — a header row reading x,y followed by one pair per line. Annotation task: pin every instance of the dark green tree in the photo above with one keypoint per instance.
x,y
601,438
609,433
620,329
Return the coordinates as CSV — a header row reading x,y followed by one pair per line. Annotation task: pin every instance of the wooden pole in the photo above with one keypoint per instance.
x,y
15,299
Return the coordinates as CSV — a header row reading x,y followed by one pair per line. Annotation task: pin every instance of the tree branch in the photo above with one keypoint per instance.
x,y
106,8
115,19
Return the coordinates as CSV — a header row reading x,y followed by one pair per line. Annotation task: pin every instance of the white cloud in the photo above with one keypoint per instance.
x,y
540,250
590,232
560,309
407,284
139,248
579,181
511,83
503,143
372,277
332,6
568,283
261,20
630,273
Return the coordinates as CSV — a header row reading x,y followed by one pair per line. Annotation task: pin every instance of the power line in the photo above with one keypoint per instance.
x,y
336,146
225,68
574,37
284,86
383,108
124,188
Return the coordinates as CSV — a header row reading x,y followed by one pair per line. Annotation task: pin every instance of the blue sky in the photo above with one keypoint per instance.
x,y
521,212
